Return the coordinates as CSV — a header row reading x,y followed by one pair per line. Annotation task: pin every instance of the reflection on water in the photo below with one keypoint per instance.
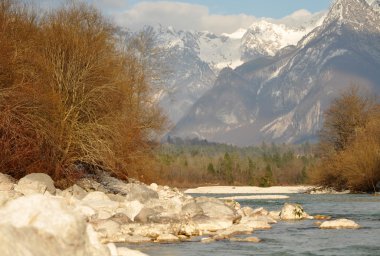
x,y
297,238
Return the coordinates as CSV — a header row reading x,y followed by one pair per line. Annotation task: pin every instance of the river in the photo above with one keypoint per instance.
x,y
300,237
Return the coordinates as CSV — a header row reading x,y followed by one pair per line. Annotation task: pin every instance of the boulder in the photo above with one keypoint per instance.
x,y
255,224
37,220
260,211
139,192
164,218
339,224
205,223
153,187
74,191
147,230
123,251
293,212
121,218
144,215
132,208
90,185
101,203
264,218
107,228
167,238
44,213
32,242
192,209
218,210
8,195
188,229
275,215
116,197
234,230
6,182
136,239
35,183
246,211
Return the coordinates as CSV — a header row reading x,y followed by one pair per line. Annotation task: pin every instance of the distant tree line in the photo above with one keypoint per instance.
x,y
188,164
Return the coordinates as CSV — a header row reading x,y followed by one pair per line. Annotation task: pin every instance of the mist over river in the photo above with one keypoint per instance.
x,y
296,237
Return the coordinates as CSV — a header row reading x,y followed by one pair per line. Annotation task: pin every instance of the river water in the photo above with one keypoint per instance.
x,y
297,238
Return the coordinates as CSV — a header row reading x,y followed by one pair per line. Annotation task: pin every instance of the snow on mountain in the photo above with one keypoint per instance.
x,y
266,37
238,34
282,98
193,59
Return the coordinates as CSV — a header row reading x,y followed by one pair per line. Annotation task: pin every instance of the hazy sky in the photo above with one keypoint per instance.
x,y
258,8
217,16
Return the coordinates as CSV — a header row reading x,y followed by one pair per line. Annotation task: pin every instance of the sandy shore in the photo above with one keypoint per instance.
x,y
248,190
256,197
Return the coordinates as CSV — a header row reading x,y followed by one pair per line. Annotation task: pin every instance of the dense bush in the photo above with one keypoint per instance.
x,y
71,97
350,144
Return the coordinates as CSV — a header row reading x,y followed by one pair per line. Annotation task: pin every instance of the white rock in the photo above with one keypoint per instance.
x,y
167,238
113,249
35,183
339,224
84,210
74,191
101,203
260,211
293,212
255,224
154,186
32,242
107,228
209,224
123,251
132,208
49,219
136,239
8,195
43,213
240,229
6,182
275,215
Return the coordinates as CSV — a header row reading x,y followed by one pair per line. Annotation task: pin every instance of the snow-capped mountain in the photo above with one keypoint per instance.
x,y
193,59
266,38
282,98
187,76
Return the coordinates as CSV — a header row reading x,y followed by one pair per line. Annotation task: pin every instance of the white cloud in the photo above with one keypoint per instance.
x,y
181,16
111,4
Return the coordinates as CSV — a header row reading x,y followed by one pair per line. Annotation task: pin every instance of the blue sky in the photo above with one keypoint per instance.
x,y
218,16
259,8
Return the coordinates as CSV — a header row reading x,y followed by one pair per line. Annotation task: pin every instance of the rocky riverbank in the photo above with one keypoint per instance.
x,y
91,216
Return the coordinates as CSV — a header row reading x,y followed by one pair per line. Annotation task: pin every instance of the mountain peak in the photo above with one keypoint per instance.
x,y
357,14
347,9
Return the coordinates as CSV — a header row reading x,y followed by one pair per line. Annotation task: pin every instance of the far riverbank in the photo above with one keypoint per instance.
x,y
249,190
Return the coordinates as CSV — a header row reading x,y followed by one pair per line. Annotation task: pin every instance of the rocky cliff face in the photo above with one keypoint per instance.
x,y
282,98
191,60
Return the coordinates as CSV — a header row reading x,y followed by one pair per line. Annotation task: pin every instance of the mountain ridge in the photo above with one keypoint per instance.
x,y
289,93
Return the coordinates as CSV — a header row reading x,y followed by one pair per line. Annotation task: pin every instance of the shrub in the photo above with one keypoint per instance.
x,y
72,99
